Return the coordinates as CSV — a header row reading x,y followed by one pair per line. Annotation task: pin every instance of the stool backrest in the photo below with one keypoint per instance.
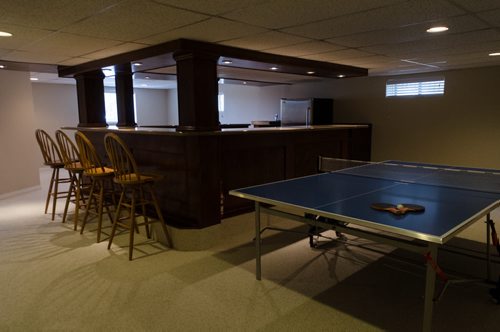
x,y
121,158
88,155
49,149
69,151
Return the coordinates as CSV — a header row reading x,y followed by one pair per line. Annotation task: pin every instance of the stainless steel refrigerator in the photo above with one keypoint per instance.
x,y
306,111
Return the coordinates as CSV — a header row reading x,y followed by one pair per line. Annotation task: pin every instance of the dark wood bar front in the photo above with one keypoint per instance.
x,y
197,169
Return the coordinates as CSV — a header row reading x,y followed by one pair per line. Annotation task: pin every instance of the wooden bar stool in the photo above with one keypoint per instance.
x,y
137,192
52,158
101,194
71,159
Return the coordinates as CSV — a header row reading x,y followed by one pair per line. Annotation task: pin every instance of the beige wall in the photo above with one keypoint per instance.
x,y
19,158
462,127
153,107
55,106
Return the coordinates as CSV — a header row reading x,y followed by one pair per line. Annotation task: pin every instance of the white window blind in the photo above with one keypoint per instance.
x,y
397,88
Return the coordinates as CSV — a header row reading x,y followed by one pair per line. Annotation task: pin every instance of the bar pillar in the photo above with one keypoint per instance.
x,y
124,95
90,94
197,90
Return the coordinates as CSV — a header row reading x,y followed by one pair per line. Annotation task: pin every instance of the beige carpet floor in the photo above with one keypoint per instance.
x,y
54,279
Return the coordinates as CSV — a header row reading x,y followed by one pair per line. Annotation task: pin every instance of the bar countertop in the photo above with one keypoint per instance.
x,y
225,131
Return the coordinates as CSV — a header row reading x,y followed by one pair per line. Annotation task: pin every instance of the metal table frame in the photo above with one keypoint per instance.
x,y
418,246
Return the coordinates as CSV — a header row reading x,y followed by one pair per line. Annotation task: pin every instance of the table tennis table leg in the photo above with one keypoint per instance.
x,y
430,283
257,241
488,253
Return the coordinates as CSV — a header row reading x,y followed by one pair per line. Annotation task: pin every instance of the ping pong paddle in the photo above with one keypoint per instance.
x,y
398,209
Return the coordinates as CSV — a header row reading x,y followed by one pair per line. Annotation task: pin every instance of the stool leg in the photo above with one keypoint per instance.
x,y
117,216
133,225
77,198
55,193
49,192
160,217
99,212
144,215
112,193
89,203
71,190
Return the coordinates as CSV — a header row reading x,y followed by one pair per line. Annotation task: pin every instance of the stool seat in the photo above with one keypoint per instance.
x,y
99,171
56,165
75,166
133,179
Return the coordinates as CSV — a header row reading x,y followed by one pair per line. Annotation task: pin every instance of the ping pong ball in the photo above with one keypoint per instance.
x,y
400,206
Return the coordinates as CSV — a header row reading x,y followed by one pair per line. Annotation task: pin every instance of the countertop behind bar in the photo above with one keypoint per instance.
x,y
225,131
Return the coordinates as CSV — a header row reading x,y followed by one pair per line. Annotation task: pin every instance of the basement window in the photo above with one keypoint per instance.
x,y
414,87
111,109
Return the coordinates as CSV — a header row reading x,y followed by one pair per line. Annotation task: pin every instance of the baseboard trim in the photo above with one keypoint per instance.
x,y
19,192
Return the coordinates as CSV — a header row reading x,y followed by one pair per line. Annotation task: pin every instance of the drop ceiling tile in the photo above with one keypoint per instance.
x,y
492,17
310,47
402,14
473,58
460,42
74,61
212,7
114,50
285,13
475,5
211,30
53,14
30,57
21,35
265,40
458,24
4,51
57,44
399,70
339,56
375,61
133,20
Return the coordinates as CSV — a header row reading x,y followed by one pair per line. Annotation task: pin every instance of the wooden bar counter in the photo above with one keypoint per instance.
x,y
197,169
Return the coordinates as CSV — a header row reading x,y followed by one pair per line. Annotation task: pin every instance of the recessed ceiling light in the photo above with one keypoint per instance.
x,y
137,64
147,77
244,82
5,34
437,29
340,75
2,66
494,54
274,68
227,62
33,79
310,72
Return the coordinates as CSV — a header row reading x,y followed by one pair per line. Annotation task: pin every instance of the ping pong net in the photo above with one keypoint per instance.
x,y
474,179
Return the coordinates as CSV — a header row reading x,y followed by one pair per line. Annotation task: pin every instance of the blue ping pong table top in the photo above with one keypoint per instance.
x,y
453,197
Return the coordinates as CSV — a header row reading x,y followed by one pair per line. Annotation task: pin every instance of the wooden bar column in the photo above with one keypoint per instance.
x,y
197,90
90,94
124,95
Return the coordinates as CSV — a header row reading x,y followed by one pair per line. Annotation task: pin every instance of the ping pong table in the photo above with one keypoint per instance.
x,y
453,198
